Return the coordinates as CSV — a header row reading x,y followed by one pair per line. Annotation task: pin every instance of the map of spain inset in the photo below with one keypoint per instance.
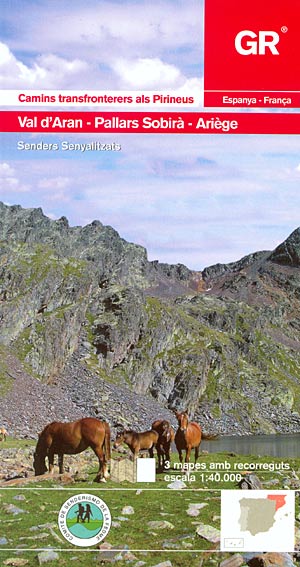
x,y
257,520
258,514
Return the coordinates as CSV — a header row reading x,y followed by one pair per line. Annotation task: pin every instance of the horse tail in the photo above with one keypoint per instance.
x,y
107,441
209,437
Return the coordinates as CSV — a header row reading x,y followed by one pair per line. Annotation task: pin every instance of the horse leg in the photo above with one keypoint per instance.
x,y
102,473
160,456
167,451
188,454
151,452
51,461
61,463
162,460
197,453
180,454
166,462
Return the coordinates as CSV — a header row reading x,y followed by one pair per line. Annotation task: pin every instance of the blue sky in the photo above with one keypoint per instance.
x,y
192,199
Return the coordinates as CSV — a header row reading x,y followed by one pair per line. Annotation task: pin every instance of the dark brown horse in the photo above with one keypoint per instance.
x,y
188,436
72,438
137,441
165,438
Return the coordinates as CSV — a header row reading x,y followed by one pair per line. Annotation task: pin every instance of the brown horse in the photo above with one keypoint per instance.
x,y
3,434
166,436
188,436
137,441
71,439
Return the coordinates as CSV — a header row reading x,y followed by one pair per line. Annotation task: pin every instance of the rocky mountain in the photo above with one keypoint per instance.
x,y
88,326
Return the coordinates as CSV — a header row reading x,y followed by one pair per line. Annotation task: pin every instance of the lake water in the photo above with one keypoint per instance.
x,y
287,445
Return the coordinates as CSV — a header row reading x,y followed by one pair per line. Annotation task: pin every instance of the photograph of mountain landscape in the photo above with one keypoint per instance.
x,y
168,268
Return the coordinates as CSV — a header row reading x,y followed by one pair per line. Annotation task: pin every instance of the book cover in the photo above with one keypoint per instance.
x,y
149,284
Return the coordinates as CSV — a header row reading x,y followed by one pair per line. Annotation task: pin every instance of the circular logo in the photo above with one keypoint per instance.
x,y
84,519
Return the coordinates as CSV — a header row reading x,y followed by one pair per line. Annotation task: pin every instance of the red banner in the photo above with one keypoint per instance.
x,y
151,122
252,47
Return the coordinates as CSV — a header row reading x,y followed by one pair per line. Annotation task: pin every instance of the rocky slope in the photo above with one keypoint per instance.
x,y
97,329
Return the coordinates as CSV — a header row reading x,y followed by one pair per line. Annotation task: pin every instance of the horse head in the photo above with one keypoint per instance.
x,y
183,420
119,439
166,430
39,464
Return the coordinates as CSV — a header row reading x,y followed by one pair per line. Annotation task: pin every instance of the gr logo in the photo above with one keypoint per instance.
x,y
249,43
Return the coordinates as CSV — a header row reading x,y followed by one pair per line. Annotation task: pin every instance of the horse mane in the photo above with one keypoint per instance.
x,y
41,440
132,432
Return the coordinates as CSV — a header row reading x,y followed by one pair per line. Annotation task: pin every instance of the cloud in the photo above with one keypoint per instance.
x,y
54,183
147,73
6,170
106,27
193,87
62,71
50,71
190,167
14,73
9,180
47,72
